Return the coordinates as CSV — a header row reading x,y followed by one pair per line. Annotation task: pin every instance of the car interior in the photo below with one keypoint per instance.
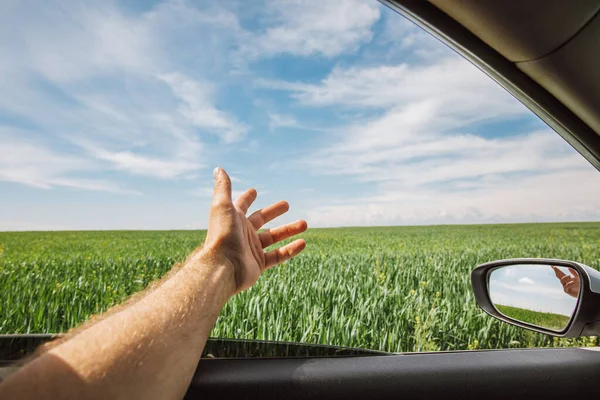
x,y
545,53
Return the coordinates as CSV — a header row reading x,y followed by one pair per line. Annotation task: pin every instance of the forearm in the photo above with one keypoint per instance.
x,y
147,350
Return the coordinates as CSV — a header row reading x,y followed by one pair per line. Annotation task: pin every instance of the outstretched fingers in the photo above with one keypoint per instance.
x,y
269,213
274,235
245,200
274,257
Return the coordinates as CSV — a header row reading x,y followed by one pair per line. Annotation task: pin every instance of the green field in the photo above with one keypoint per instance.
x,y
393,288
556,322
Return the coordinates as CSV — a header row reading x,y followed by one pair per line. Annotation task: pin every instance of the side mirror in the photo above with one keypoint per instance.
x,y
556,297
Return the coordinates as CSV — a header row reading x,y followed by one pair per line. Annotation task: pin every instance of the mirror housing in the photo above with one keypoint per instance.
x,y
586,316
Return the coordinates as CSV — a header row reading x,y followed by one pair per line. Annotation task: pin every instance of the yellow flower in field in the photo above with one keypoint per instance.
x,y
437,294
473,345
424,283
412,291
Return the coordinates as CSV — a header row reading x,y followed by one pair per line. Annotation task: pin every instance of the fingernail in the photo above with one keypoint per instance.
x,y
216,173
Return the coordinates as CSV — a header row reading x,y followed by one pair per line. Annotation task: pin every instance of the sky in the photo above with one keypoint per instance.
x,y
113,115
533,287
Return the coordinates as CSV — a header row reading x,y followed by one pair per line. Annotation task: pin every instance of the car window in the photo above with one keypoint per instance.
x,y
410,165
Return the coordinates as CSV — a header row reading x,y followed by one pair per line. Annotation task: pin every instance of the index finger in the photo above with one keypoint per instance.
x,y
244,202
559,274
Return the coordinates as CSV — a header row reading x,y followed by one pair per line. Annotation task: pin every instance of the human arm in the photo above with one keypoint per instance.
x,y
150,348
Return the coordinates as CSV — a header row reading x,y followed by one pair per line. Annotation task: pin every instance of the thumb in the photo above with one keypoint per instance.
x,y
222,192
220,207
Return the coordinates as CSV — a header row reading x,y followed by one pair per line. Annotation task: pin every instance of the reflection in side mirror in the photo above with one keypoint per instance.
x,y
556,297
537,294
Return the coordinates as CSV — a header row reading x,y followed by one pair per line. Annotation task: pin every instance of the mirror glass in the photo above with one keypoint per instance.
x,y
541,295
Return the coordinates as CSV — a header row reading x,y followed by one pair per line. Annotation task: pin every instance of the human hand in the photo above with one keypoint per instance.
x,y
570,284
233,238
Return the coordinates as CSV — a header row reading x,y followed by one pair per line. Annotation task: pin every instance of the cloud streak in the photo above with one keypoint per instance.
x,y
420,153
197,108
38,166
307,28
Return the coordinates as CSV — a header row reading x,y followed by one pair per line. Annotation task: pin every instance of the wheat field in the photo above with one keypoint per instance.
x,y
394,289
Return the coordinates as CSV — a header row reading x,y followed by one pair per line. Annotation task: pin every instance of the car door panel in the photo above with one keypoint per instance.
x,y
526,373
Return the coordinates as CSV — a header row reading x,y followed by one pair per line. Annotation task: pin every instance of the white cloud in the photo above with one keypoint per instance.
x,y
451,86
419,137
402,36
571,195
141,165
316,27
198,109
277,121
541,291
34,165
82,42
509,272
421,159
527,281
91,75
420,104
135,126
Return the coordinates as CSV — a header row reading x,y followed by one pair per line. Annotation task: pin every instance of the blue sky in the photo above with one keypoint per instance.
x,y
113,115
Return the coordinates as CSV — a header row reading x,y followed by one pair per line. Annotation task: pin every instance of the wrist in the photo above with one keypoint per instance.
x,y
214,266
